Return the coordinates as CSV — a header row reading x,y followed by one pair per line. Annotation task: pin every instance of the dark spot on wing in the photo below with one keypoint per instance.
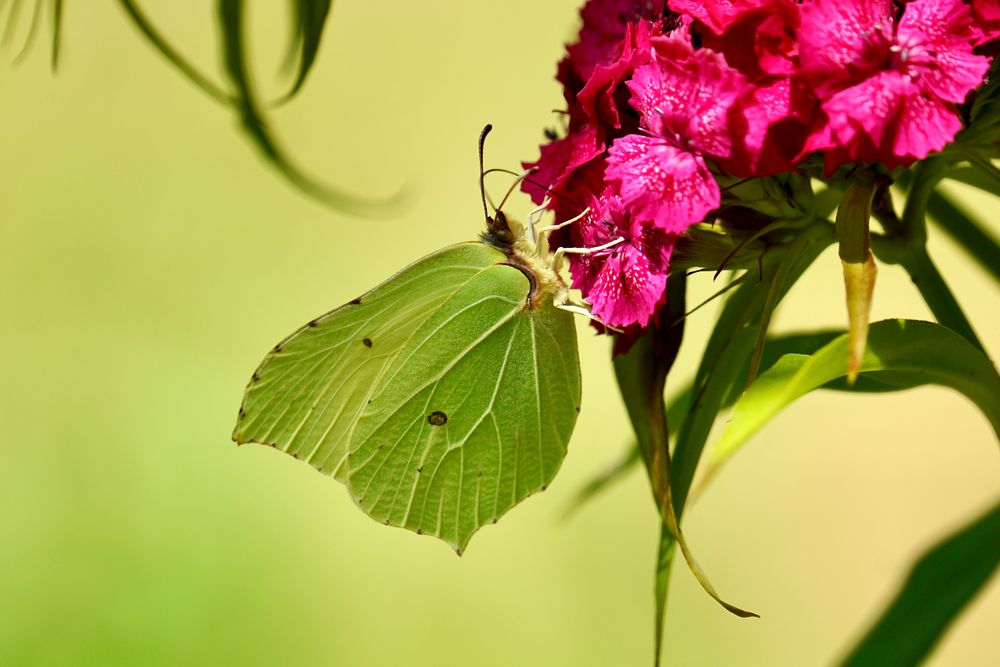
x,y
420,531
277,348
256,376
578,408
312,324
420,470
367,342
355,302
386,522
437,418
243,413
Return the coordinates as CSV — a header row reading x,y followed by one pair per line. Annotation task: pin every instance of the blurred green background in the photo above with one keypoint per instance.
x,y
149,261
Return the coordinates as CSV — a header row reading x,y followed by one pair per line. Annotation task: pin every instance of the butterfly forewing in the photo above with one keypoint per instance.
x,y
307,395
474,414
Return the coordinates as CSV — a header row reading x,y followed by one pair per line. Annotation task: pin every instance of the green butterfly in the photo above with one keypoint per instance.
x,y
441,398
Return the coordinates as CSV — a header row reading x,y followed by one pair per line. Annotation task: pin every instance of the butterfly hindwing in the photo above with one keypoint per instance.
x,y
474,415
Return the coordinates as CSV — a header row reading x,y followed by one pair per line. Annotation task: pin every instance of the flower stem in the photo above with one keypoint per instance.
x,y
859,267
907,247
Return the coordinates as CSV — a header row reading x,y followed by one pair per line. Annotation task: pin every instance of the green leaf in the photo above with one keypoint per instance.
x,y
13,18
441,398
776,347
163,46
727,351
231,19
604,479
308,20
723,364
907,245
56,15
976,177
641,376
967,232
938,587
913,352
664,565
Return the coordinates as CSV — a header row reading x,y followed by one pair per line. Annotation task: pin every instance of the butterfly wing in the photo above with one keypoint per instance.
x,y
440,398
474,415
308,393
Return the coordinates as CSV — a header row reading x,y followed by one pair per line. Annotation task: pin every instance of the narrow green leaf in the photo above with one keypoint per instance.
x,y
938,587
231,19
160,43
56,15
784,276
967,232
664,562
600,482
29,39
937,295
975,176
914,352
776,347
726,353
705,246
13,18
604,479
308,20
908,248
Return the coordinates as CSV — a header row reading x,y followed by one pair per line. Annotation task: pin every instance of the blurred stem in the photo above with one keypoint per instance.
x,y
161,44
938,296
964,231
907,246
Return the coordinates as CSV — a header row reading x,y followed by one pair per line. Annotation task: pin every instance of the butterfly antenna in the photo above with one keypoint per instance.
x,y
482,172
524,177
517,181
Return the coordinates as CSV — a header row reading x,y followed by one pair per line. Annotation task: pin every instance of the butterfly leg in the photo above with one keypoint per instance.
x,y
583,308
557,257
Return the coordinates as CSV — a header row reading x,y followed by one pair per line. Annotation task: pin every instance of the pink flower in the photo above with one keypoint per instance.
x,y
888,83
987,18
604,25
597,97
625,283
717,15
776,122
684,99
760,39
559,159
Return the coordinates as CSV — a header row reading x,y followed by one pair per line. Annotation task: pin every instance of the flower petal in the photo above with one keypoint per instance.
x,y
660,183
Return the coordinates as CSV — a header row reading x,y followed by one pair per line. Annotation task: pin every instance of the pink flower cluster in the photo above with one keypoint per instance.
x,y
665,96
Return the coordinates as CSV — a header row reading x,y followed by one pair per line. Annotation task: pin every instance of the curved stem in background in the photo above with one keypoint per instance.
x,y
964,230
908,248
936,293
161,44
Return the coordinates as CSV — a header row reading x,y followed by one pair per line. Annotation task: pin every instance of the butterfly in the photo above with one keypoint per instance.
x,y
441,398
